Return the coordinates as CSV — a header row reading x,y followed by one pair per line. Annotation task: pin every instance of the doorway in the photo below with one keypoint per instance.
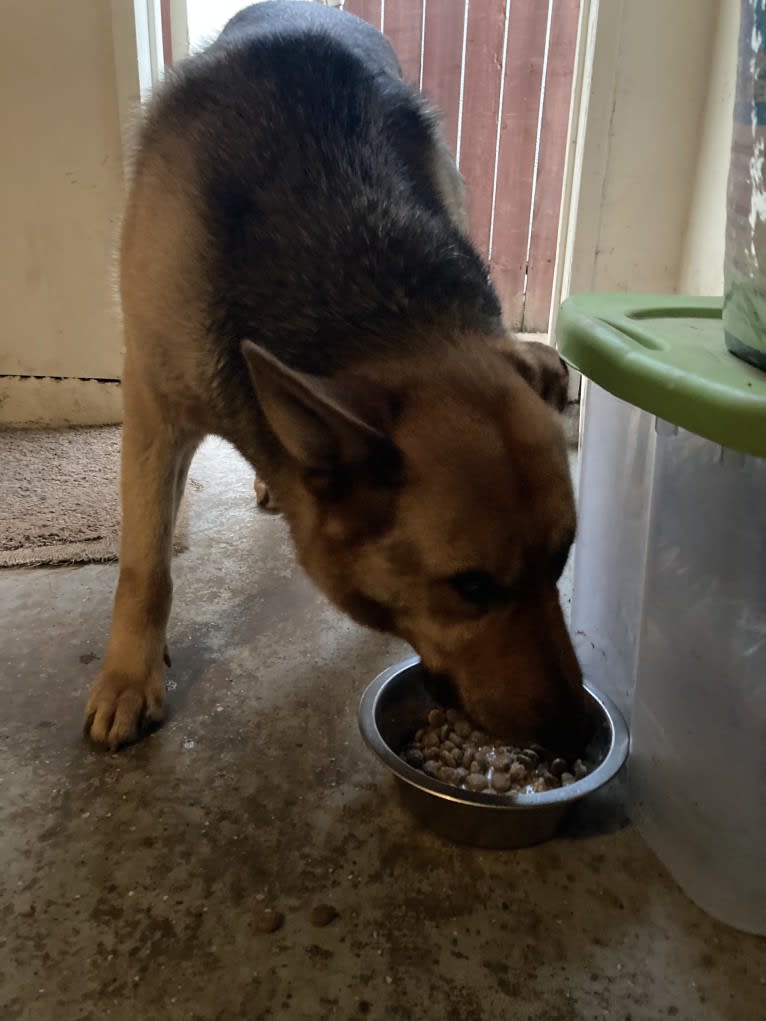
x,y
501,73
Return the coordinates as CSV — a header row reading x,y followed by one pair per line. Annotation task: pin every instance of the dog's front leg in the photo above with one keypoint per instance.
x,y
128,696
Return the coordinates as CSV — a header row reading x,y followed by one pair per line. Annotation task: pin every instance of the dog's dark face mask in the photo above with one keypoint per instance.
x,y
442,512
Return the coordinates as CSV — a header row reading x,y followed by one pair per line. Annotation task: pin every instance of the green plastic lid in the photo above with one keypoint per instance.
x,y
667,355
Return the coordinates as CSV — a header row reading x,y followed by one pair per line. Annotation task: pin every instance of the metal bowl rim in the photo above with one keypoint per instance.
x,y
610,765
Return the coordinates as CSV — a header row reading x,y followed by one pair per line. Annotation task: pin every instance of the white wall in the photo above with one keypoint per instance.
x,y
61,188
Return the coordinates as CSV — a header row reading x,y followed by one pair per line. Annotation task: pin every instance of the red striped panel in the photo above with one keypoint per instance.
x,y
481,106
442,57
167,38
370,10
516,156
403,25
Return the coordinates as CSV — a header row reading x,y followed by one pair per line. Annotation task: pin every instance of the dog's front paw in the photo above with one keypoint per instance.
x,y
122,708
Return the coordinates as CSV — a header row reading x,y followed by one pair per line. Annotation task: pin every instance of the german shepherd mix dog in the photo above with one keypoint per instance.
x,y
296,278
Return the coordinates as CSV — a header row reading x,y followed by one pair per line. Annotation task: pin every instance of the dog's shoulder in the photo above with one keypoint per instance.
x,y
295,74
300,54
308,20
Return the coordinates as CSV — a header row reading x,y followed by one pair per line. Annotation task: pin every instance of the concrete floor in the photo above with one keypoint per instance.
x,y
130,885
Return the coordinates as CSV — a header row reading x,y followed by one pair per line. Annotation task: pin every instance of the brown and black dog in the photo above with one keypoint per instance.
x,y
296,277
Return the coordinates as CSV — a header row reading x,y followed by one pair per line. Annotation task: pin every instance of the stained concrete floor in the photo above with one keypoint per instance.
x,y
129,884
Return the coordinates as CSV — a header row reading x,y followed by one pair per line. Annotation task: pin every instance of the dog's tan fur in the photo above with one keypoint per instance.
x,y
477,479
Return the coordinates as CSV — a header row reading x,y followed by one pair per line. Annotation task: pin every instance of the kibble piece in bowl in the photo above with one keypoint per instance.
x,y
449,748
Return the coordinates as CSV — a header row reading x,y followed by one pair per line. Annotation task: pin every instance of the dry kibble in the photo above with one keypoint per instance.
x,y
476,781
268,920
451,750
322,915
501,782
436,718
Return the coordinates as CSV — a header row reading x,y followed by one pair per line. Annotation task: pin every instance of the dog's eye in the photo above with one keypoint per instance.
x,y
479,589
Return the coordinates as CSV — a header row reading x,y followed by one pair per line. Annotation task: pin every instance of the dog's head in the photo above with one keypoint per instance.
x,y
439,506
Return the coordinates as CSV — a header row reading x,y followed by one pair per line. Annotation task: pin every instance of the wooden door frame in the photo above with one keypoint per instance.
x,y
632,161
593,81
149,43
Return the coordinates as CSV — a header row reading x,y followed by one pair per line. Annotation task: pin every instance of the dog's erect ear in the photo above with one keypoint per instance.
x,y
541,367
316,423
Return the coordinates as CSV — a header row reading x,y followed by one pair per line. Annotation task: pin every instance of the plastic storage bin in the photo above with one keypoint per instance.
x,y
669,601
615,476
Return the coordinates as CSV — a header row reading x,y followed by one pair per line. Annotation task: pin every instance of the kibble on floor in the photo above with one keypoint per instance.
x,y
268,920
322,915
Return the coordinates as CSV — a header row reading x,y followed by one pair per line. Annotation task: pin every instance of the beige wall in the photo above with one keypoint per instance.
x,y
646,176
61,183
645,70
702,259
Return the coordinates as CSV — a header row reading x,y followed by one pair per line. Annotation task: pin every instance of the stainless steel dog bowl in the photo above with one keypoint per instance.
x,y
397,702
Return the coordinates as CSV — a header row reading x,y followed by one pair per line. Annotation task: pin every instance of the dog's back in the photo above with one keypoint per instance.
x,y
327,214
296,277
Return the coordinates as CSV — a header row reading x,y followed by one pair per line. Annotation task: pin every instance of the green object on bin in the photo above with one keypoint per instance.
x,y
668,356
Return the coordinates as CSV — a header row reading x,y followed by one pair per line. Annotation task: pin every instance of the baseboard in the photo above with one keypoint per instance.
x,y
45,402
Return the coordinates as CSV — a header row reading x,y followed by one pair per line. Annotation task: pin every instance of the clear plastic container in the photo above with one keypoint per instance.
x,y
669,597
615,464
697,772
669,619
